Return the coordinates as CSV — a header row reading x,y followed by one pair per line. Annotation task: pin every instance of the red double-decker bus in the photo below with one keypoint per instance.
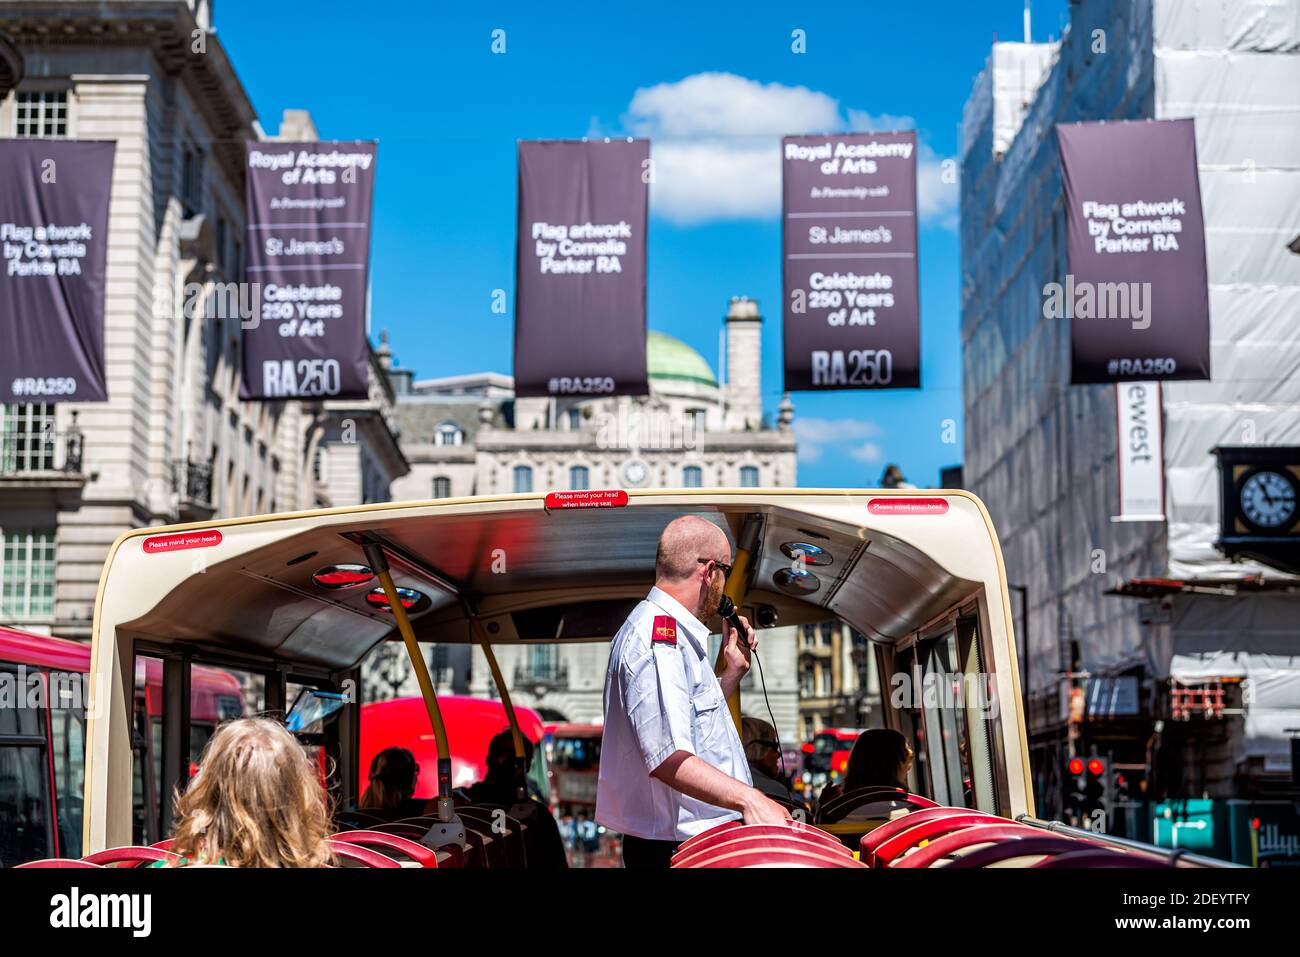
x,y
44,693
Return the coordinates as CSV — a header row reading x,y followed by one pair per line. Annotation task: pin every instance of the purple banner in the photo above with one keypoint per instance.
x,y
852,311
1135,292
308,261
580,268
54,242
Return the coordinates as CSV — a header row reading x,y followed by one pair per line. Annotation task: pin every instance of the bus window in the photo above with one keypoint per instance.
x,y
944,720
982,712
24,778
910,721
68,736
217,695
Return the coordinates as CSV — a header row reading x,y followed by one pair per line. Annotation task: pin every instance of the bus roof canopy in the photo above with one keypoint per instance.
x,y
531,572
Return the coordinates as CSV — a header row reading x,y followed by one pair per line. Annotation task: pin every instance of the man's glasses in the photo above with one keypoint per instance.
x,y
726,569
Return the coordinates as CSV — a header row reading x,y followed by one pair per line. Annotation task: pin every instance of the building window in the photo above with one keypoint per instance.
x,y
449,433
575,419
441,487
41,113
27,575
826,682
523,478
692,476
579,478
27,441
543,663
695,420
192,181
749,476
806,682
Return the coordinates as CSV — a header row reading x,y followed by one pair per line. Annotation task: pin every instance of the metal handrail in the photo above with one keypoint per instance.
x,y
1172,855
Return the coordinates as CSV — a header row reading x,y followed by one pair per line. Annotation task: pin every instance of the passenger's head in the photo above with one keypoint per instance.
x,y
687,564
393,772
881,757
762,750
256,801
501,755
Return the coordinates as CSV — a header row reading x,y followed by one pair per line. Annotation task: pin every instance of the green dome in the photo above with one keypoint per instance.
x,y
669,358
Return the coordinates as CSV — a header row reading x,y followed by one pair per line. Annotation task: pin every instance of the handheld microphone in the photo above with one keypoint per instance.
x,y
727,611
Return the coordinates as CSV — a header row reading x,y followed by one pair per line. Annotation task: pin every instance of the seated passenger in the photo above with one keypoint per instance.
x,y
256,801
543,845
763,752
881,757
390,793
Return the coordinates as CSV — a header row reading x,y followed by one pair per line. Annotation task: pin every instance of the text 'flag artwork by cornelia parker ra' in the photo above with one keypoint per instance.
x,y
580,268
1135,292
53,258
309,265
852,313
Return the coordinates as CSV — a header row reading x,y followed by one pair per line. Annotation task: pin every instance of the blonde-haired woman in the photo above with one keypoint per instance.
x,y
256,801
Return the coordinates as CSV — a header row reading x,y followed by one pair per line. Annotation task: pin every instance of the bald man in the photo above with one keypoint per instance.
x,y
671,762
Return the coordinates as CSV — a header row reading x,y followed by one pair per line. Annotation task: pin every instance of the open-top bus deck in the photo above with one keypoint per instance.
x,y
300,600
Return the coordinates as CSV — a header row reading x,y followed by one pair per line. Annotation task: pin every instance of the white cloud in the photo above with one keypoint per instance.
x,y
842,436
715,140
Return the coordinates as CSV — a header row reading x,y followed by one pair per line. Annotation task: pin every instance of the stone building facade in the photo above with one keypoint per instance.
x,y
174,442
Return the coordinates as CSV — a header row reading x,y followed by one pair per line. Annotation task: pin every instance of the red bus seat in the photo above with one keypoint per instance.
x,y
507,830
716,829
960,840
807,833
775,842
775,857
837,809
57,862
1041,845
360,856
1102,857
417,852
873,839
130,856
902,841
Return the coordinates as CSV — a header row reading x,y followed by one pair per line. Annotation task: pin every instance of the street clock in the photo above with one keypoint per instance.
x,y
635,472
1268,499
1260,504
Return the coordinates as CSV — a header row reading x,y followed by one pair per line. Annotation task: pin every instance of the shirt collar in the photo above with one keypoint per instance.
x,y
695,629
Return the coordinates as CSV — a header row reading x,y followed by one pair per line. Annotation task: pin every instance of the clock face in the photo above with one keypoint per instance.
x,y
1268,499
634,473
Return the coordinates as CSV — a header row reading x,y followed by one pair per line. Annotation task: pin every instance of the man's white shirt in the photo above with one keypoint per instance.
x,y
662,696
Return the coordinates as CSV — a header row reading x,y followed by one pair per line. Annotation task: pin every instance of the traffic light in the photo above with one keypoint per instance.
x,y
1076,790
1097,795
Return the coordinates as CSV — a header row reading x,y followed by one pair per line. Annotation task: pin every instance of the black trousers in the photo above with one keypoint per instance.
x,y
641,853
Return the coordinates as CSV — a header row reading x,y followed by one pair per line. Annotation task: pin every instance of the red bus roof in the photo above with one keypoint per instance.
x,y
471,725
42,651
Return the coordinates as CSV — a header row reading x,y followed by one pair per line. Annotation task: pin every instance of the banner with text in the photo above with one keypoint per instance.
x,y
852,309
1135,292
1141,452
309,264
580,268
54,242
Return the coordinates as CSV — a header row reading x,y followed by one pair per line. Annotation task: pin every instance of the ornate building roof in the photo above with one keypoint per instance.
x,y
669,358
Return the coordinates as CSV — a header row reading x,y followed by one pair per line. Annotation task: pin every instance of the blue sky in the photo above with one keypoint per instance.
x,y
714,89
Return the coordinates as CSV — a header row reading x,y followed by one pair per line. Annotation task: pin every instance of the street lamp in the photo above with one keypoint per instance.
x,y
11,65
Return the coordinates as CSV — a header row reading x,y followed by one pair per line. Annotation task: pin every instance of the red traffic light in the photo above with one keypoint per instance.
x,y
1095,767
1076,765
